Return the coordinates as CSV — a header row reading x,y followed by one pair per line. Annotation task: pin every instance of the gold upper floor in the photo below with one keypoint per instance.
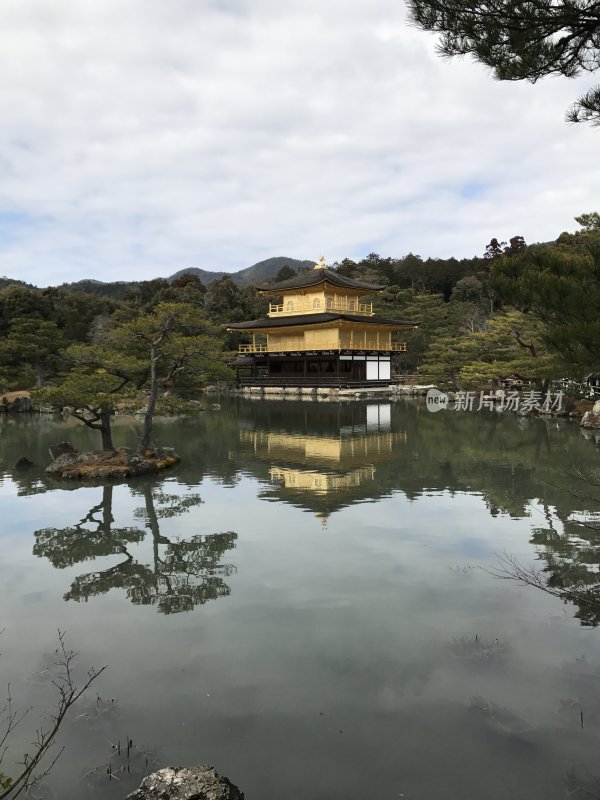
x,y
320,299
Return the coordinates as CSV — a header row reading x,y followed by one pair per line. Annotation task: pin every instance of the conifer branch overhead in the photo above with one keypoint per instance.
x,y
521,40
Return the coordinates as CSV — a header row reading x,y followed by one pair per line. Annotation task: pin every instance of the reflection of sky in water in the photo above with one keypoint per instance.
x,y
346,653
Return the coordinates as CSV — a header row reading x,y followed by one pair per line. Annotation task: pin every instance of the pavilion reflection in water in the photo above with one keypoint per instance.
x,y
323,472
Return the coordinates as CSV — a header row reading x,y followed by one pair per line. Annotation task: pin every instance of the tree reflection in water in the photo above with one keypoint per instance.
x,y
572,561
569,546
182,575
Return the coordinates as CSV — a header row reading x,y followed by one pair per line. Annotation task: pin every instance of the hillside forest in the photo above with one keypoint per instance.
x,y
529,312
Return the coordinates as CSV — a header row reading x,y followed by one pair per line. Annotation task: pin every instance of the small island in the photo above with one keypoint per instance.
x,y
108,465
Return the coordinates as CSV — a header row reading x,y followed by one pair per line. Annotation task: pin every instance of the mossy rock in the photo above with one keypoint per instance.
x,y
111,465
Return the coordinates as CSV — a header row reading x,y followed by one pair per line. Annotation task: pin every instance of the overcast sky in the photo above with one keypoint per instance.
x,y
139,137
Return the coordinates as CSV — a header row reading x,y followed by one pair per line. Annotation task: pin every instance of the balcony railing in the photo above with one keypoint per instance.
x,y
253,348
289,309
395,347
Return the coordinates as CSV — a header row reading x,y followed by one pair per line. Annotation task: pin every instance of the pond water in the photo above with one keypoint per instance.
x,y
305,602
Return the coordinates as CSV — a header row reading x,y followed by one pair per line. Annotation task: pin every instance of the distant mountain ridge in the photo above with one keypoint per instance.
x,y
261,271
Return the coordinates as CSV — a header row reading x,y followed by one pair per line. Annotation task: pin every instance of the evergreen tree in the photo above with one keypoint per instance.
x,y
284,274
185,289
515,246
589,222
494,249
151,351
172,340
560,287
511,344
438,320
30,351
521,40
346,267
468,289
98,377
224,301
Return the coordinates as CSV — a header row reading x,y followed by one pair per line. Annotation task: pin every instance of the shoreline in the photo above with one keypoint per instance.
x,y
493,399
584,411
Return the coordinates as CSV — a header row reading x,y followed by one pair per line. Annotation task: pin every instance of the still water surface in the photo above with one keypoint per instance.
x,y
301,603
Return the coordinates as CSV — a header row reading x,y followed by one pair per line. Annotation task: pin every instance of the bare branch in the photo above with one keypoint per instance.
x,y
509,568
68,694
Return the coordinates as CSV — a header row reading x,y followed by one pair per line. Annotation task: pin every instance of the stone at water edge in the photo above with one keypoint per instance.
x,y
61,449
596,408
182,783
590,420
20,405
62,463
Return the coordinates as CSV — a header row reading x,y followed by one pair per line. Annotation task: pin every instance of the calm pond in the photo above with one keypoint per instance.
x,y
301,603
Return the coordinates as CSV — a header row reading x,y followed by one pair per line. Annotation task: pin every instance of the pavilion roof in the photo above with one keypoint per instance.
x,y
314,277
318,319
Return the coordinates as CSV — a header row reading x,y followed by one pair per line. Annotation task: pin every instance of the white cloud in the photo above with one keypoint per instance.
x,y
140,137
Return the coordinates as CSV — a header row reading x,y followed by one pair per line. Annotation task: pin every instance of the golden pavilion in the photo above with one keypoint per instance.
x,y
319,332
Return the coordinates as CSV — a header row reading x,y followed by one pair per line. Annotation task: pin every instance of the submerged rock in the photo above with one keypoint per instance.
x,y
476,650
124,761
111,465
499,719
181,783
582,667
95,713
40,792
23,463
580,782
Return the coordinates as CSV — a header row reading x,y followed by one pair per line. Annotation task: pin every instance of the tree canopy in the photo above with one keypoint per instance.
x,y
521,40
148,352
559,287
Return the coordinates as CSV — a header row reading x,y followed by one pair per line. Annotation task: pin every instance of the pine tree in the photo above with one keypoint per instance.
x,y
151,351
560,287
521,40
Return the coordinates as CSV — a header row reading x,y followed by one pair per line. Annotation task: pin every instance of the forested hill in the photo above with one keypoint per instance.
x,y
262,271
411,271
4,282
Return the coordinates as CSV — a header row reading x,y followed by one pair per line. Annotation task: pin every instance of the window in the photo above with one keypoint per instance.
x,y
289,306
329,302
352,305
316,303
